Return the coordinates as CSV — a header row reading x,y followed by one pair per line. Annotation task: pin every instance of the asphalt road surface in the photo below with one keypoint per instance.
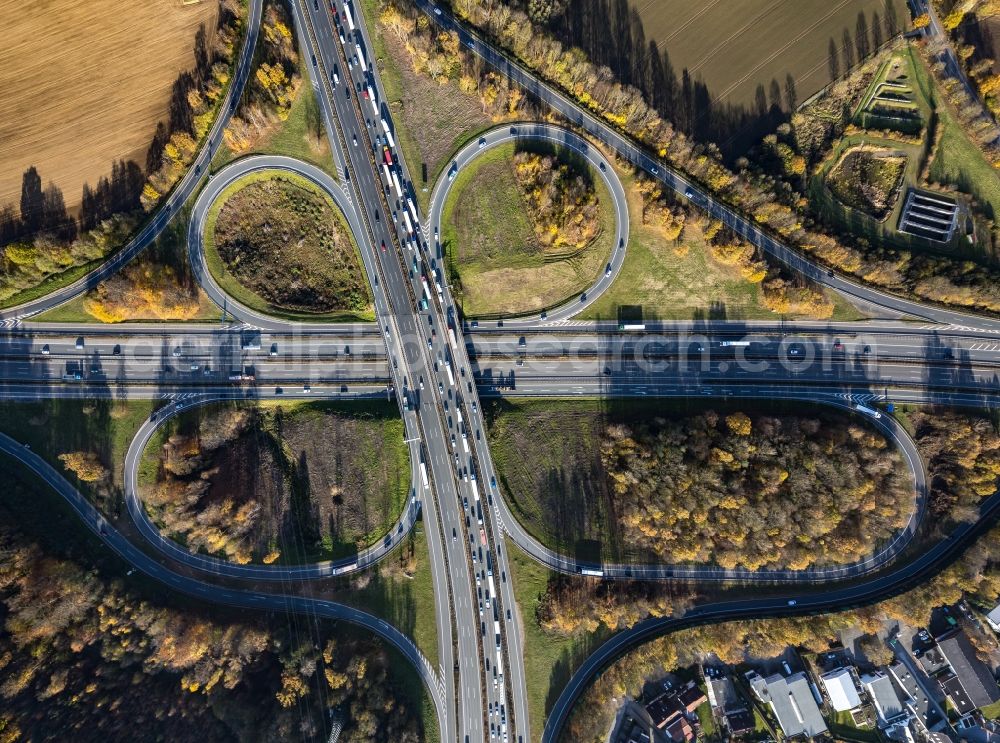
x,y
212,593
562,138
362,560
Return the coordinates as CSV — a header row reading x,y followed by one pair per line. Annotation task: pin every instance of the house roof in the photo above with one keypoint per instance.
x,y
722,694
840,686
884,697
951,685
976,677
916,700
932,660
741,721
793,704
994,616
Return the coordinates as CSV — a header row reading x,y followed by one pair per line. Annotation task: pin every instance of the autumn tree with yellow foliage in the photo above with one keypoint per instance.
x,y
274,85
77,644
761,492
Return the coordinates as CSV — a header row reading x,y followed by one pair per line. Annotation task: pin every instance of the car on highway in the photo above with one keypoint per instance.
x,y
792,602
354,137
45,350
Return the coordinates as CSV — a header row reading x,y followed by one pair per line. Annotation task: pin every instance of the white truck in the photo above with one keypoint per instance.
x,y
867,411
388,133
349,16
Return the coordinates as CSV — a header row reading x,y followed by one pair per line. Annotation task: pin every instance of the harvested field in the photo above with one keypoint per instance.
x,y
84,83
735,45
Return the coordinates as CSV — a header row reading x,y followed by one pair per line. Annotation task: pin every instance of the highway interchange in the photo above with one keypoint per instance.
x,y
479,688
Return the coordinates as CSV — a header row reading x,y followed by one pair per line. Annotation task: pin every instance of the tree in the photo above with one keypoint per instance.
x,y
876,651
85,465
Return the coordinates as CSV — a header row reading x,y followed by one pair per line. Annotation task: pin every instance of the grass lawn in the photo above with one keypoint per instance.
x,y
960,163
169,249
73,311
295,136
302,262
495,264
329,477
432,120
549,659
668,281
407,601
842,727
992,711
957,161
707,719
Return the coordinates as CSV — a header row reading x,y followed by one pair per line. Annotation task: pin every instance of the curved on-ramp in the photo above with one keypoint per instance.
x,y
562,137
876,561
180,193
217,566
203,591
226,177
793,258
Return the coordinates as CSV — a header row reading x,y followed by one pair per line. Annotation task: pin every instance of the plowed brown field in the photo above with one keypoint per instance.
x,y
84,83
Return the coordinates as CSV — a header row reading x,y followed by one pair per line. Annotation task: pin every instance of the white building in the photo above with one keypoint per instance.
x,y
839,685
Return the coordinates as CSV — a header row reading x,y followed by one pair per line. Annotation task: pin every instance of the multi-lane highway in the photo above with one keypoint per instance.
x,y
436,365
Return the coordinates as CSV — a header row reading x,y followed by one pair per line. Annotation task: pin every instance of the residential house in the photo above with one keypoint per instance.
x,y
840,688
888,706
974,676
792,703
730,706
925,713
993,618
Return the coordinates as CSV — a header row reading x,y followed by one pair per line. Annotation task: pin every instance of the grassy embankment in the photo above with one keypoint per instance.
x,y
431,120
292,269
335,475
495,262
